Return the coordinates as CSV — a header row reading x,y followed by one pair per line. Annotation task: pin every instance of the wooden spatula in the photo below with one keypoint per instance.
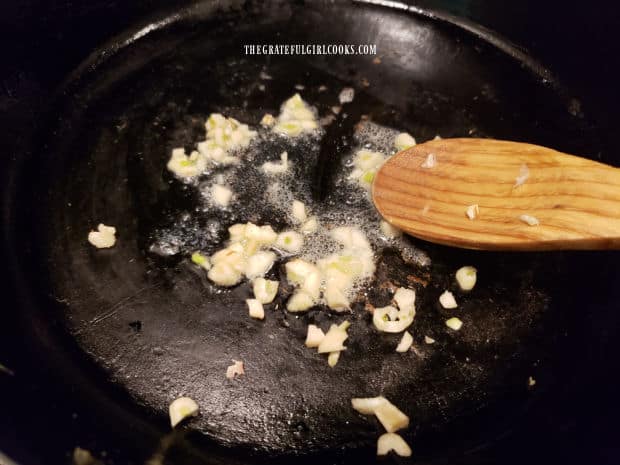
x,y
428,190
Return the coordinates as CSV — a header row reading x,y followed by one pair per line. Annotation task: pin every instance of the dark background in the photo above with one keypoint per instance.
x,y
41,41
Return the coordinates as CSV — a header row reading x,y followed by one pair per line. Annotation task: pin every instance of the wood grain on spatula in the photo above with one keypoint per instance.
x,y
575,200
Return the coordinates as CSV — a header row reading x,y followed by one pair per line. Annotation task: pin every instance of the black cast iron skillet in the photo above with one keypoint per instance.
x,y
126,330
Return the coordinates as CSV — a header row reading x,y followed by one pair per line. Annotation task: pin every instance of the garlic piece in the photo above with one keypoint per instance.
x,y
335,298
466,277
271,167
268,120
224,274
529,220
454,323
366,164
472,211
221,195
391,417
255,309
346,95
405,343
524,174
405,299
201,260
429,162
314,336
259,264
290,241
265,290
392,442
334,339
298,270
447,300
332,359
262,234
390,320
310,226
390,231
387,413
403,141
298,210
429,340
367,405
300,302
182,408
186,166
295,118
236,232
236,369
312,285
104,237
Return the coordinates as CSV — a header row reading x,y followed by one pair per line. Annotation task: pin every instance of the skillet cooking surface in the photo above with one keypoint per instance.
x,y
159,330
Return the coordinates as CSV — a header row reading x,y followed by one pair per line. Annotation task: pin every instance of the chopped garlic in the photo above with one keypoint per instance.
x,y
298,270
367,405
429,340
265,290
390,231
391,417
332,359
366,164
466,277
312,285
259,264
472,211
186,166
224,274
390,320
403,141
335,297
228,133
314,337
346,95
310,226
262,234
405,343
255,308
333,340
429,162
271,167
530,220
300,302
447,300
454,323
298,210
201,260
268,120
295,118
392,442
524,173
387,413
182,408
104,237
531,382
290,241
236,369
405,299
221,195
237,232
